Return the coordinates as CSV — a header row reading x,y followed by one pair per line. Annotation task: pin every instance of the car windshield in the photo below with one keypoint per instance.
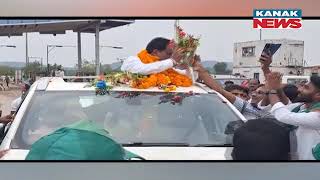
x,y
130,117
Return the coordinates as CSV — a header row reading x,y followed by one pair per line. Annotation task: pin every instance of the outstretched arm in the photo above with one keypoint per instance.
x,y
211,83
134,65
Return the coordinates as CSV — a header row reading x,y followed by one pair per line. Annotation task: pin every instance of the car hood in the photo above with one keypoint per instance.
x,y
156,153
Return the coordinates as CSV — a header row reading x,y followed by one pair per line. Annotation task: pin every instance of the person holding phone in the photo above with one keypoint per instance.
x,y
244,106
305,114
266,60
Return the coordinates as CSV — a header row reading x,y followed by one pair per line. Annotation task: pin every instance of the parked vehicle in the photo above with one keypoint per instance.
x,y
188,124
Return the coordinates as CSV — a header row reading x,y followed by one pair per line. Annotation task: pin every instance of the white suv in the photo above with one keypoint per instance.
x,y
188,124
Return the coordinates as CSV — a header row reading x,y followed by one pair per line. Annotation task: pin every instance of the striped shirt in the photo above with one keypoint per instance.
x,y
249,111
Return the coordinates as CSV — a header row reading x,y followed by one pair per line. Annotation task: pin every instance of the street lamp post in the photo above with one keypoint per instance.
x,y
114,47
9,46
50,49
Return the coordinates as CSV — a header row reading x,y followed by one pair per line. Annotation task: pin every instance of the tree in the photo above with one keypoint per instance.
x,y
88,67
211,70
7,70
106,68
220,68
33,68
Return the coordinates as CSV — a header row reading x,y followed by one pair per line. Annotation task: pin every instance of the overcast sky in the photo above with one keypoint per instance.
x,y
217,39
159,171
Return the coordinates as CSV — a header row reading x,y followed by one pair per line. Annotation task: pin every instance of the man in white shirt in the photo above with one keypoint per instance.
x,y
16,103
305,114
59,73
169,57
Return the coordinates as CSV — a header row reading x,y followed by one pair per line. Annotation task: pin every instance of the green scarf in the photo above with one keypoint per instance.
x,y
313,107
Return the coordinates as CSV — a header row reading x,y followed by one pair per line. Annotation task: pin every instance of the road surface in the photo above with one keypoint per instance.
x,y
7,96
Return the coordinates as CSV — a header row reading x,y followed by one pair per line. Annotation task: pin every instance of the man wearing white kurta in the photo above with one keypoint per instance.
x,y
304,115
168,58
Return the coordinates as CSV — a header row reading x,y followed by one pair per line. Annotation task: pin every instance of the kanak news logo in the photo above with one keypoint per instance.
x,y
277,18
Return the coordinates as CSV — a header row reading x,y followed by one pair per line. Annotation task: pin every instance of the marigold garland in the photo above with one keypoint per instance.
x,y
168,77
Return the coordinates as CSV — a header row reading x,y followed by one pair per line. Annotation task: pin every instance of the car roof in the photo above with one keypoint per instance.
x,y
58,84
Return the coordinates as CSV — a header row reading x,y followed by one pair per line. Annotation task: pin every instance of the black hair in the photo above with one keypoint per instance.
x,y
228,82
260,85
255,79
232,87
158,43
315,80
291,91
27,86
261,139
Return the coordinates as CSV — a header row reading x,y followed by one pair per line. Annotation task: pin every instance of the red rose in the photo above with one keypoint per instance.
x,y
177,99
182,34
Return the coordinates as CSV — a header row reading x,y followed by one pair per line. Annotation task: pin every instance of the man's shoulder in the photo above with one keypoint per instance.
x,y
16,103
294,105
131,59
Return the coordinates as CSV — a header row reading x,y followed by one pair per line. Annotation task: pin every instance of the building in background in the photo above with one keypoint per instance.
x,y
311,70
289,59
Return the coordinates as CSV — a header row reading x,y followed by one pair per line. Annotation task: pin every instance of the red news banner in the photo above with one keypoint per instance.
x,y
277,18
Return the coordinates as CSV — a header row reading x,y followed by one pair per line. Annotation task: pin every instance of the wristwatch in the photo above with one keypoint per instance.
x,y
272,91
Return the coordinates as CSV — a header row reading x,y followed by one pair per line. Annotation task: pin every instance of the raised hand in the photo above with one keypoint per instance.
x,y
273,81
265,60
197,66
177,55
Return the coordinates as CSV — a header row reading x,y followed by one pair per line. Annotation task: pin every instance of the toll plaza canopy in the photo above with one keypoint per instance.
x,y
18,27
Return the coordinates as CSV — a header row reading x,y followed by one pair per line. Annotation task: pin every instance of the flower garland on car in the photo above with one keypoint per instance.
x,y
101,86
175,98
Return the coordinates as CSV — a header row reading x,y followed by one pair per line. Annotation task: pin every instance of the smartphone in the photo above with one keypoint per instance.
x,y
270,49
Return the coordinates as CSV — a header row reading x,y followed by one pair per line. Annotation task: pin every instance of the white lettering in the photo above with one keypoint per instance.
x,y
294,13
268,13
259,13
276,13
285,13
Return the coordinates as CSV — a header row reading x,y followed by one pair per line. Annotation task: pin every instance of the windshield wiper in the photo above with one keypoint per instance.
x,y
213,145
155,144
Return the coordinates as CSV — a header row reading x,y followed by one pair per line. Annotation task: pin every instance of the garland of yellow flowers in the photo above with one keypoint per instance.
x,y
167,77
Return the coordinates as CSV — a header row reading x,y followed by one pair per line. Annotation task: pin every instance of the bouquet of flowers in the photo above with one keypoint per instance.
x,y
189,44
